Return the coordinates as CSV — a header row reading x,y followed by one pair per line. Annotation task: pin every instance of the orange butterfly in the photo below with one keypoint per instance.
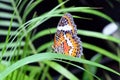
x,y
66,40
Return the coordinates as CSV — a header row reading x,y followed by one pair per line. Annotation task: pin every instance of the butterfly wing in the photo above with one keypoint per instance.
x,y
66,40
66,23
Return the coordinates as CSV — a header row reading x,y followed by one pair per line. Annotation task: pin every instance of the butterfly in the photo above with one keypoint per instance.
x,y
66,40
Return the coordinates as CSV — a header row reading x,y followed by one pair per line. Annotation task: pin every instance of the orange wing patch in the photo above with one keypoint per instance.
x,y
58,40
66,48
75,44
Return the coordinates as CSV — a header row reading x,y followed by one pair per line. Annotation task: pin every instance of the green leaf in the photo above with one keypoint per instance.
x,y
61,70
49,56
5,6
5,32
30,7
88,10
11,45
6,15
93,69
101,51
7,23
98,35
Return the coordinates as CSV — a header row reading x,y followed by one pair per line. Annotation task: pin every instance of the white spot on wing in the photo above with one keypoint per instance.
x,y
69,43
65,28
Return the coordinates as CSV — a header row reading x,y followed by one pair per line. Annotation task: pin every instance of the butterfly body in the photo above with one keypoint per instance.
x,y
66,40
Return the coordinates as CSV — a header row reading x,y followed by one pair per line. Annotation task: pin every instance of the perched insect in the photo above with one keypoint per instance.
x,y
66,40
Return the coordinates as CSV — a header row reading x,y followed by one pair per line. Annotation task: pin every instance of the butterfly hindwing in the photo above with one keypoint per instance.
x,y
66,40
